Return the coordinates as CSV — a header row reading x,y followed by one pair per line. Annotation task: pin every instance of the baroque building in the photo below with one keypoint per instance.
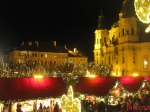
x,y
121,48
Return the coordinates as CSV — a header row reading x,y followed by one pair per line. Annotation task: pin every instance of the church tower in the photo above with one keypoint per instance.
x,y
120,48
128,31
101,35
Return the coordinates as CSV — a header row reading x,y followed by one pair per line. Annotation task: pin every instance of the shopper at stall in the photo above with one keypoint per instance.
x,y
56,107
101,107
40,108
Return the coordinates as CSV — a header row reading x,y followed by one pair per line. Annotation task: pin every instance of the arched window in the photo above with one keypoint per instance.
x,y
122,59
127,32
145,63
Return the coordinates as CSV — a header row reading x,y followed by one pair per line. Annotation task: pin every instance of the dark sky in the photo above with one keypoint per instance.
x,y
69,22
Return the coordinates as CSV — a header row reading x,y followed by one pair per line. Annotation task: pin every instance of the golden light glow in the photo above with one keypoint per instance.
x,y
142,9
88,74
143,85
92,76
135,74
38,76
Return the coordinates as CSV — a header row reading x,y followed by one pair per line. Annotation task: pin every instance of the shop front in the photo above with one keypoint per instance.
x,y
27,94
113,91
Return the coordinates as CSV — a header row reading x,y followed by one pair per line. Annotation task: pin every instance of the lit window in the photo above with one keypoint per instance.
x,y
145,63
45,55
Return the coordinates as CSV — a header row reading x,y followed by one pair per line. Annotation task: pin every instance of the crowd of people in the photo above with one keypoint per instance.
x,y
131,103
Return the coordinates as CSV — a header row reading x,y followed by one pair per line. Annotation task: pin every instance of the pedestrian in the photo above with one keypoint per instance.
x,y
56,107
101,107
40,108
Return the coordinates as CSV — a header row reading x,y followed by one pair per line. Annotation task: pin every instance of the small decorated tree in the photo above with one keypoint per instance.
x,y
69,103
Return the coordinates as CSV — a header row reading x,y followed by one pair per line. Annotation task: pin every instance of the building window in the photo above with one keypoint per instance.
x,y
45,55
54,62
122,59
50,62
145,63
101,41
45,62
32,54
116,60
133,59
19,54
127,32
35,55
123,32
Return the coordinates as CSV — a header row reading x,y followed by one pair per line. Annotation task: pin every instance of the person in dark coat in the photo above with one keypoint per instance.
x,y
101,107
56,107
40,108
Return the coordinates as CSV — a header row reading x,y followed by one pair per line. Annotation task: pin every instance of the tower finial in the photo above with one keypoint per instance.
x,y
101,13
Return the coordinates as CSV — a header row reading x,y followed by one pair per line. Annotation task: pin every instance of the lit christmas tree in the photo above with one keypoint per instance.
x,y
69,103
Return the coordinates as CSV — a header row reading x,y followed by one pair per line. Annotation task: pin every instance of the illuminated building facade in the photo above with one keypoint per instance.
x,y
121,48
48,54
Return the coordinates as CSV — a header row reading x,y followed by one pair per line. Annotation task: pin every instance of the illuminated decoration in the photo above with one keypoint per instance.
x,y
68,71
142,9
69,103
38,76
145,84
135,74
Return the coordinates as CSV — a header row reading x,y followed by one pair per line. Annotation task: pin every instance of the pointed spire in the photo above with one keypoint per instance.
x,y
101,21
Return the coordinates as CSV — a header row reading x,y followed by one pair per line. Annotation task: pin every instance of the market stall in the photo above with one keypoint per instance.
x,y
24,93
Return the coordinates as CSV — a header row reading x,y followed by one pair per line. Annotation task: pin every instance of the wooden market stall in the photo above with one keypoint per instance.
x,y
13,90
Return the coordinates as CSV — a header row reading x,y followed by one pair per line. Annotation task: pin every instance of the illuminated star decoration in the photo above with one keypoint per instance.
x,y
69,103
142,9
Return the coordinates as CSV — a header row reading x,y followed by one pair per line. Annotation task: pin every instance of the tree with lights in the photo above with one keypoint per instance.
x,y
69,103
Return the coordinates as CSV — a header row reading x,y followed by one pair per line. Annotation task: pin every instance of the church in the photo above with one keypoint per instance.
x,y
123,48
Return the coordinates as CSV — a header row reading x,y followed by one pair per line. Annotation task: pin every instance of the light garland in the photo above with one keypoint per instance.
x,y
142,9
69,103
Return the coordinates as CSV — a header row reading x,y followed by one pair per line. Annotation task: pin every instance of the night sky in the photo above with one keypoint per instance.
x,y
69,22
